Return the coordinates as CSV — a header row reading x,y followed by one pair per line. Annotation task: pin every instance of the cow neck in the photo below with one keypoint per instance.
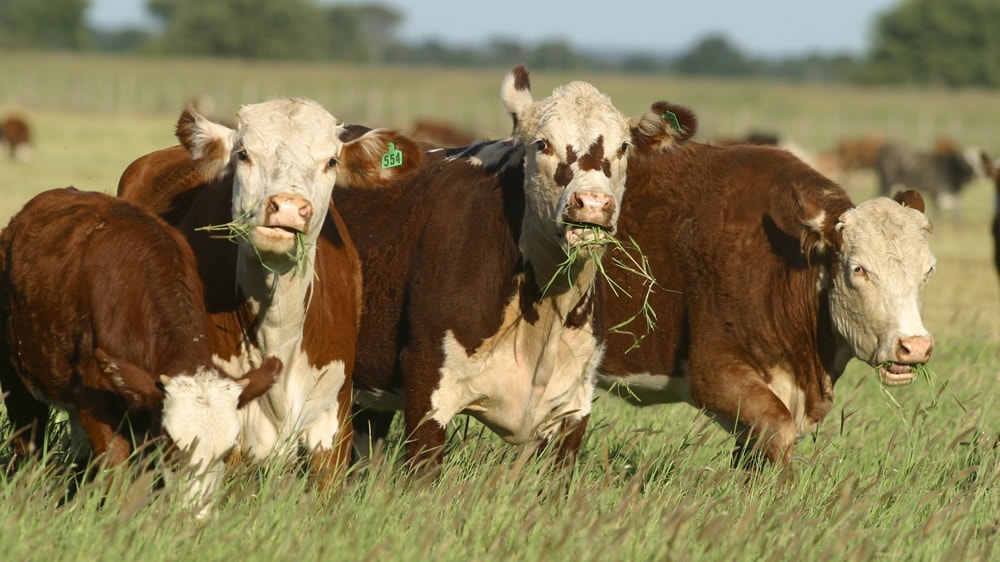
x,y
568,291
277,300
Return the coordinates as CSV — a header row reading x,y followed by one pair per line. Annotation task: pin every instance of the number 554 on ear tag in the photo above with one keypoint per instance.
x,y
393,157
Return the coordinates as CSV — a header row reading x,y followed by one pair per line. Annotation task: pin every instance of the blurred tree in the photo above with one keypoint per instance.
x,y
52,24
714,55
241,28
928,42
554,54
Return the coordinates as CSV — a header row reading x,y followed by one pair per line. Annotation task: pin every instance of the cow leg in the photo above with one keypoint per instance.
x,y
29,418
741,402
329,442
371,428
102,425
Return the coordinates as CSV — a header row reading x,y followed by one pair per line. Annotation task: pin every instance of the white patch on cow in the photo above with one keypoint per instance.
x,y
877,294
647,388
783,385
816,222
522,381
200,416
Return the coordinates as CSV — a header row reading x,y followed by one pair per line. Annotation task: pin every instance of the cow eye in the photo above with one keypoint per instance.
x,y
541,145
930,272
242,155
624,148
859,271
332,163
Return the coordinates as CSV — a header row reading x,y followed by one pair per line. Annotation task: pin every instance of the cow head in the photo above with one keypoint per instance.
x,y
198,410
881,267
285,156
577,146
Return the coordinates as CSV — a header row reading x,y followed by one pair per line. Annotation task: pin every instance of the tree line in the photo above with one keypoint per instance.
x,y
915,42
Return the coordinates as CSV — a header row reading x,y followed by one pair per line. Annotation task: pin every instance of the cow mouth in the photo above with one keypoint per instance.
x,y
585,233
276,232
896,374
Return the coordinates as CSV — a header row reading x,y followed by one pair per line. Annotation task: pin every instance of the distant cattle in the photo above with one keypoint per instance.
x,y
290,285
769,280
16,134
457,317
441,134
859,153
941,173
101,314
994,171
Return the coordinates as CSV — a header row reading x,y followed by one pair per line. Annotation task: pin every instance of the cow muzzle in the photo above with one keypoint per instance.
x,y
286,214
589,215
910,352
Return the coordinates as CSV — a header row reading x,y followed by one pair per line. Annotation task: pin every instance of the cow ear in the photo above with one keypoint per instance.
x,y
258,381
210,144
515,91
135,384
663,127
910,198
822,228
376,158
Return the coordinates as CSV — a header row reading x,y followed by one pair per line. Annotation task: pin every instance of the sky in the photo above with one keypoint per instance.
x,y
758,27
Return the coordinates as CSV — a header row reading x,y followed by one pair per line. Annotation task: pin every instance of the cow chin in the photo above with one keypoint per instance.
x,y
273,240
895,374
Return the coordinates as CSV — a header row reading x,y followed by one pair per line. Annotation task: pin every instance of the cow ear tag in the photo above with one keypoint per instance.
x,y
393,157
671,118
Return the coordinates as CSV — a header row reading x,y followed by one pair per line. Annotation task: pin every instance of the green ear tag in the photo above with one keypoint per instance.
x,y
392,157
672,118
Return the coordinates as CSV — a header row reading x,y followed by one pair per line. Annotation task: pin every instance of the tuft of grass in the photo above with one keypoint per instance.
x,y
239,229
629,258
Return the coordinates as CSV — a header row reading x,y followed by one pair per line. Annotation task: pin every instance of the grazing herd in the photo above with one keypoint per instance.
x,y
289,283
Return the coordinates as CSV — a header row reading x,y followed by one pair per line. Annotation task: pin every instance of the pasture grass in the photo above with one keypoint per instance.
x,y
913,478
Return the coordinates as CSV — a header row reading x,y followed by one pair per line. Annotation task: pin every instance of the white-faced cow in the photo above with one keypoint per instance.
x,y
769,281
101,314
290,286
455,260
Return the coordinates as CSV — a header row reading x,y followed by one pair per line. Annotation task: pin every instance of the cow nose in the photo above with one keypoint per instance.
x,y
591,208
914,349
288,210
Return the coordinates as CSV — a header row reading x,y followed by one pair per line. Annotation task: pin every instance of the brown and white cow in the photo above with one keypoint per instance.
x,y
769,281
290,286
16,134
101,314
455,317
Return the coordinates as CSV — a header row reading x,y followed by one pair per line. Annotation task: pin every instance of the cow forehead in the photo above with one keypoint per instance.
x,y
576,114
882,230
302,125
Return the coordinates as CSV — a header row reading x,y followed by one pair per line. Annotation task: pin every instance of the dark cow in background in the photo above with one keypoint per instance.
x,y
291,284
441,134
940,173
994,172
16,134
455,261
769,281
101,314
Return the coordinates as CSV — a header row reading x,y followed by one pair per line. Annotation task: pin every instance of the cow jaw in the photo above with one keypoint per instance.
x,y
895,374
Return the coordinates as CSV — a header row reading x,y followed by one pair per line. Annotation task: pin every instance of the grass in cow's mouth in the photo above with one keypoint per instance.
x,y
631,260
239,230
920,371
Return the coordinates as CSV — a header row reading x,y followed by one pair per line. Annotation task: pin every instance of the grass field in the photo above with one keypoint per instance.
x,y
908,474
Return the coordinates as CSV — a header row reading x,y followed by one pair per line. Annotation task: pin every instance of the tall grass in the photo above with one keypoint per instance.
x,y
920,481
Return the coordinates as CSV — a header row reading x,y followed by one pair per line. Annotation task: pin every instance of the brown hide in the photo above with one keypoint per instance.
x,y
721,228
85,270
16,132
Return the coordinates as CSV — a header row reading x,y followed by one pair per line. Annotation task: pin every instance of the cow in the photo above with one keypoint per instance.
x,y
993,169
16,134
768,281
291,284
457,317
940,173
101,314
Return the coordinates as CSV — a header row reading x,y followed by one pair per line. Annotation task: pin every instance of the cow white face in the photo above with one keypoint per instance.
x,y
577,144
877,292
